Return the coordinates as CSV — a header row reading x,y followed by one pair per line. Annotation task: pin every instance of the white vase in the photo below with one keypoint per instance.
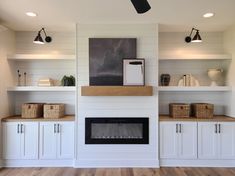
x,y
214,74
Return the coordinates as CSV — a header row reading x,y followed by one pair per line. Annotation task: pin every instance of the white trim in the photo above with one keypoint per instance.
x,y
196,163
194,89
38,163
55,57
83,163
42,89
184,57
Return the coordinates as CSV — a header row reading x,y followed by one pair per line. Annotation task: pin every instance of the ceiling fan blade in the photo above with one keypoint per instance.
x,y
141,6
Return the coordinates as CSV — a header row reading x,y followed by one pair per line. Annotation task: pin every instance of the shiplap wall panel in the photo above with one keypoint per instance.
x,y
147,47
45,69
68,98
198,68
172,43
62,43
216,98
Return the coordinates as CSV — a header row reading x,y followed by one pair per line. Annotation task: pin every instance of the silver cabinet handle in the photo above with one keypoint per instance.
x,y
18,128
180,128
21,128
216,128
58,128
176,128
219,128
54,128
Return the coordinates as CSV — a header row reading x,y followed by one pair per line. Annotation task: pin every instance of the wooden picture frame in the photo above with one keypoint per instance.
x,y
133,72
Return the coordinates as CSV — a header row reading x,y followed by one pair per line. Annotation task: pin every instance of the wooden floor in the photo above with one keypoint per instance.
x,y
117,172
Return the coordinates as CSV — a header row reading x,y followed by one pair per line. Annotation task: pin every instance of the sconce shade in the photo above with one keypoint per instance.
x,y
197,37
38,39
141,6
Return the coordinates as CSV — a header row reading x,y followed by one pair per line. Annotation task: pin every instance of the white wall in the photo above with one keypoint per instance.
x,y
118,155
7,46
229,46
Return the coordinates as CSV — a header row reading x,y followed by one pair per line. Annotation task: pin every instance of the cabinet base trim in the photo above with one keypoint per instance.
x,y
122,163
37,163
196,163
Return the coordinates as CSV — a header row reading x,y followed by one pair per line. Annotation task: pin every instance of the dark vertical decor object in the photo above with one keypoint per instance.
x,y
105,59
141,6
165,79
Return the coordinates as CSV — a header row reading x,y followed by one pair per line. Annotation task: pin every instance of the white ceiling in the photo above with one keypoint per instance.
x,y
173,15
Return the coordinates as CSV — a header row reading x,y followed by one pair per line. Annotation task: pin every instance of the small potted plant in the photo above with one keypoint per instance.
x,y
68,81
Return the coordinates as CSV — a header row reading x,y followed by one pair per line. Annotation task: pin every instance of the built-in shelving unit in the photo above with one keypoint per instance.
x,y
41,89
196,57
50,57
116,90
194,89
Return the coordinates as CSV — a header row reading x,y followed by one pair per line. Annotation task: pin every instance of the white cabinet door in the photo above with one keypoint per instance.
x,y
29,140
48,140
65,143
187,142
226,140
207,140
168,140
11,140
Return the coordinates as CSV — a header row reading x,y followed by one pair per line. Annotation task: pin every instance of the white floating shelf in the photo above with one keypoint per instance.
x,y
196,57
41,57
194,89
42,89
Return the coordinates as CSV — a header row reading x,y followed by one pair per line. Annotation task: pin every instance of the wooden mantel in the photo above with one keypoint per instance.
x,y
116,90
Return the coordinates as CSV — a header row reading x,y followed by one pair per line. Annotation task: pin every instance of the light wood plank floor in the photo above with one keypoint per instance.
x,y
117,172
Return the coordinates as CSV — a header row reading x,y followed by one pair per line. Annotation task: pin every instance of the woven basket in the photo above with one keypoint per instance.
x,y
179,110
32,110
202,110
53,111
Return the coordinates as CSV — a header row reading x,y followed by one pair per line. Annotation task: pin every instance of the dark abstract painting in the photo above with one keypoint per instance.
x,y
105,59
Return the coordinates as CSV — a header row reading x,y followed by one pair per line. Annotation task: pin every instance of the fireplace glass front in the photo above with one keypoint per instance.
x,y
117,131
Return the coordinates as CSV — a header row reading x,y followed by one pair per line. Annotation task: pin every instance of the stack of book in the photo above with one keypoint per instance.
x,y
45,82
187,80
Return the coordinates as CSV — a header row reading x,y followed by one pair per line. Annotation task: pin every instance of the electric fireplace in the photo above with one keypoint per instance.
x,y
116,130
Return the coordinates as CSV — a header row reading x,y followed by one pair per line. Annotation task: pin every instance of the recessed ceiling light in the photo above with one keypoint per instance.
x,y
31,14
208,15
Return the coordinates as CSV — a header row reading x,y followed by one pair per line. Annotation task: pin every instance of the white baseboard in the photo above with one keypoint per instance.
x,y
196,163
37,163
125,163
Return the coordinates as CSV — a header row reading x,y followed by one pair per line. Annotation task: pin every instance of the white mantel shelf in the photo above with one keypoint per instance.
x,y
196,57
42,89
194,89
24,57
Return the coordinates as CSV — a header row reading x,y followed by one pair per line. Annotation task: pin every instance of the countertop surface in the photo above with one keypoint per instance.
x,y
41,119
217,118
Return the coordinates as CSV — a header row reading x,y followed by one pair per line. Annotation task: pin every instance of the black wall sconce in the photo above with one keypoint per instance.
x,y
39,40
196,38
141,6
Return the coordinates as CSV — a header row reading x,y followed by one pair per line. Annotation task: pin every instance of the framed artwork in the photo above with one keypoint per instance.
x,y
134,72
105,59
